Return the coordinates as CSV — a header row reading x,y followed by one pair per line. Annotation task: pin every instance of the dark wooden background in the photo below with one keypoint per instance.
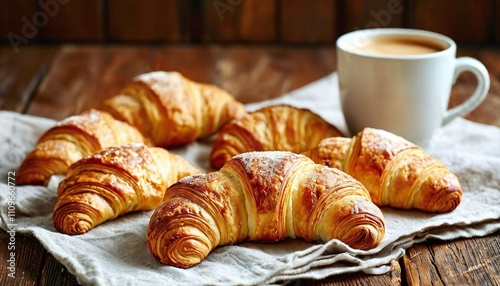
x,y
240,21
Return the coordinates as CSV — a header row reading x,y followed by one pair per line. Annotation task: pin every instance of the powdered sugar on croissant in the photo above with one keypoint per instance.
x,y
262,196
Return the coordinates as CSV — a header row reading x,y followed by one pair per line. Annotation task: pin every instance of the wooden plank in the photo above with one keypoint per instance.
x,y
54,273
308,67
29,257
496,21
21,73
368,14
308,21
239,21
16,21
82,76
393,277
130,20
461,262
95,74
197,63
190,21
258,73
98,73
251,74
442,22
487,111
468,21
194,62
76,20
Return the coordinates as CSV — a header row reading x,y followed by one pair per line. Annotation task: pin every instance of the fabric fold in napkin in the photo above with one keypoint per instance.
x,y
115,253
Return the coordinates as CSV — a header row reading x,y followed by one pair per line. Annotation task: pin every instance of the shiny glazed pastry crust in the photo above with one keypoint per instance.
x,y
72,139
272,128
113,182
171,109
262,196
397,172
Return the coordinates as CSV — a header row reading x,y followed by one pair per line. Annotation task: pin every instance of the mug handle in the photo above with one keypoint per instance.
x,y
483,84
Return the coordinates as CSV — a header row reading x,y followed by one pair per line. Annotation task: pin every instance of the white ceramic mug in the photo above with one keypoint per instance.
x,y
406,94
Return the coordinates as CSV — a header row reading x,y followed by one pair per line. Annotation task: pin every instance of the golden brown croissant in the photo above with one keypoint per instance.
x,y
171,109
272,128
115,181
70,140
262,196
397,172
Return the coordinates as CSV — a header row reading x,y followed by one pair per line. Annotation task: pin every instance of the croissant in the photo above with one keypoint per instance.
x,y
272,128
397,172
171,109
115,181
262,196
70,140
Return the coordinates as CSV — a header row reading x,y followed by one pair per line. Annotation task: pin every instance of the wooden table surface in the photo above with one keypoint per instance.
x,y
56,81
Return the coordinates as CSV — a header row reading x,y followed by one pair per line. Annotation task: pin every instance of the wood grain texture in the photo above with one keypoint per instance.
x,y
496,21
393,277
473,261
95,73
54,273
21,73
469,22
487,111
14,16
156,20
98,73
236,21
28,260
239,21
368,14
250,74
34,265
258,73
75,20
79,77
308,21
195,62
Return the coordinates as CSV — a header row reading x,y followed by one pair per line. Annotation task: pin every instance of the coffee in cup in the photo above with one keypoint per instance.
x,y
391,46
400,80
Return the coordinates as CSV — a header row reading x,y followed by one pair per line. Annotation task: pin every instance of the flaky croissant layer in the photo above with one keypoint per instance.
x,y
272,128
72,139
262,196
397,172
172,110
115,181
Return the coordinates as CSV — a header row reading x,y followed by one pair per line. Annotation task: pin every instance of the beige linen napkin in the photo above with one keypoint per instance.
x,y
115,253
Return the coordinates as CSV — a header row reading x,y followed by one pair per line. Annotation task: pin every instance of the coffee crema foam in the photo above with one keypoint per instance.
x,y
399,46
